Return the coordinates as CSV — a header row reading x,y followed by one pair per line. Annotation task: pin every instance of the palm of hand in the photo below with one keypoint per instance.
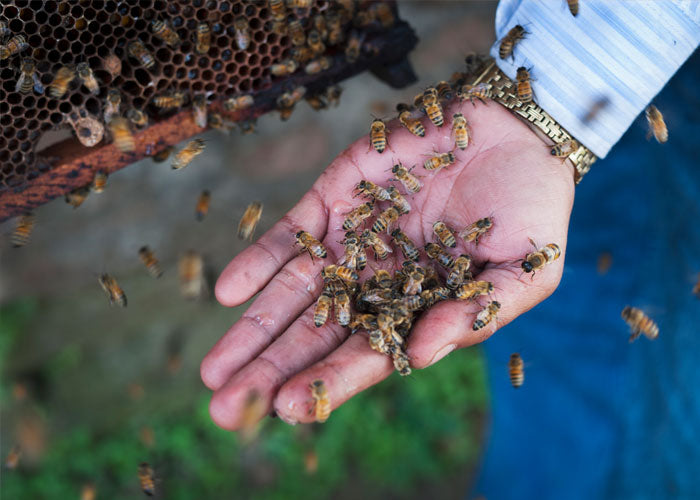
x,y
274,348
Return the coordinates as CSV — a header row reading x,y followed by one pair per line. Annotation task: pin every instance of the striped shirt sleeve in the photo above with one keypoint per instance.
x,y
614,55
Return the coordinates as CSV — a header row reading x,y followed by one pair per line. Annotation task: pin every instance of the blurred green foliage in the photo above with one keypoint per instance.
x,y
404,434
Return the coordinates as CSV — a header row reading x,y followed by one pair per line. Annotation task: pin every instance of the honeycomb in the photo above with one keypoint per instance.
x,y
60,33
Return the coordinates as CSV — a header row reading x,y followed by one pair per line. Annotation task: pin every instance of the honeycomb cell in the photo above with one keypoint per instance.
x,y
10,12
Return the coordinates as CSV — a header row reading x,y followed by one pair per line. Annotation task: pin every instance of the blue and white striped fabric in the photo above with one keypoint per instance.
x,y
618,52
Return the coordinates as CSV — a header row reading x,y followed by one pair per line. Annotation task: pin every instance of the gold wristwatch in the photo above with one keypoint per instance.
x,y
503,90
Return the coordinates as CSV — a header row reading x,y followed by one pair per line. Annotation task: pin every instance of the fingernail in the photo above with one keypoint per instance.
x,y
442,353
286,419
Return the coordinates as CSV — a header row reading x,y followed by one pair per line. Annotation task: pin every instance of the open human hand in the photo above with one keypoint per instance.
x,y
507,173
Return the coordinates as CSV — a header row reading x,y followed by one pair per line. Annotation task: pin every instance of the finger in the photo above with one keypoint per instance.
x,y
299,347
454,319
347,371
249,271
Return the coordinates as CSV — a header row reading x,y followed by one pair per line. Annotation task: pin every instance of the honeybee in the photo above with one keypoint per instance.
x,y
310,244
187,154
377,135
456,276
162,30
88,129
203,43
76,197
537,260
409,181
370,189
354,47
139,52
598,105
191,273
345,273
301,55
28,78
313,40
113,65
486,315
285,113
147,479
88,78
284,68
137,117
524,88
249,221
342,307
12,460
515,370
461,131
316,102
657,126
413,125
573,7
508,42
481,91
332,95
121,134
381,249
238,103
473,289
318,65
604,262
99,181
444,91
385,219
434,295
169,101
336,34
474,63
476,230
364,321
408,248
89,492
443,258
149,260
444,234
384,14
564,149
439,161
242,32
357,215
199,110
319,24
323,308
639,323
59,85
322,403
290,98
432,107
202,207
352,247
163,154
113,290
296,33
4,30
401,363
278,9
112,103
399,201
14,45
412,285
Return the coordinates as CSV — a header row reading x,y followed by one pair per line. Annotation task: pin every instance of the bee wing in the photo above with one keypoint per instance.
x,y
20,82
38,87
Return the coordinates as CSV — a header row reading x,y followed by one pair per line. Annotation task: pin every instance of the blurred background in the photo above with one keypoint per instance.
x,y
89,391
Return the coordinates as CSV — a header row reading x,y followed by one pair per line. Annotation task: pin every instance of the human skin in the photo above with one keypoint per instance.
x,y
506,173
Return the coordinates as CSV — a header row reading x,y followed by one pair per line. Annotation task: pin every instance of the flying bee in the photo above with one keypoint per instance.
x,y
639,323
170,100
199,110
290,98
318,65
113,65
242,32
476,230
323,308
88,78
486,315
313,40
76,197
385,219
508,42
357,215
377,135
384,14
114,292
413,125
147,479
121,134
408,248
59,85
439,161
99,181
286,67
163,154
250,220
321,408
14,45
203,43
432,107
444,90
162,30
191,274
112,103
342,307
88,129
345,273
12,460
370,189
573,7
537,260
515,370
137,117
456,276
399,201
238,103
381,249
524,89
310,244
436,253
461,131
657,126
28,78
564,149
139,52
354,47
89,492
332,95
296,33
202,207
444,234
409,181
183,157
481,91
149,260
